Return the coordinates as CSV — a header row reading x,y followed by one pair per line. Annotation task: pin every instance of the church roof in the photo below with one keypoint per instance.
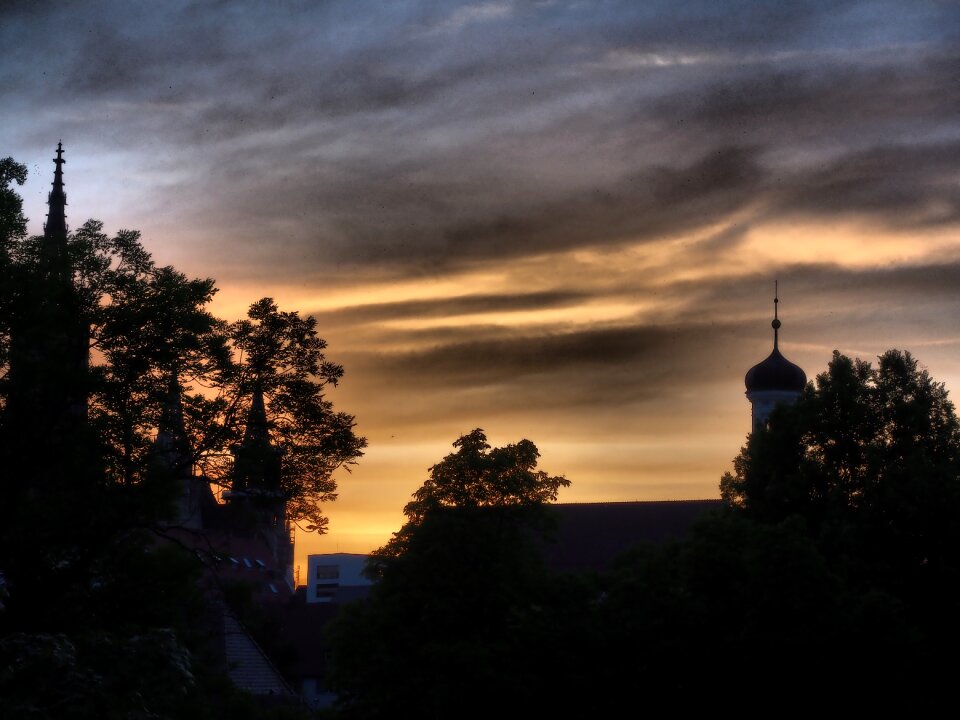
x,y
775,373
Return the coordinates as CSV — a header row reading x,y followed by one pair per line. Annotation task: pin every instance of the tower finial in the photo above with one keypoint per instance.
x,y
776,320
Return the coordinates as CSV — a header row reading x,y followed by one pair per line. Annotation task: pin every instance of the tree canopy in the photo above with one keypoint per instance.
x,y
870,458
442,633
494,481
150,328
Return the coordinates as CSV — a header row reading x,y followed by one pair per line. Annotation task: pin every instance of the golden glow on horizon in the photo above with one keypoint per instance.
x,y
848,244
641,449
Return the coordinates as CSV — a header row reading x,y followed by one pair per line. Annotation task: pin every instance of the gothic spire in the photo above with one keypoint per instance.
x,y
56,225
256,432
257,464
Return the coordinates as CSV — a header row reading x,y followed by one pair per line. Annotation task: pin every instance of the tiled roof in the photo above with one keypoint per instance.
x,y
248,667
302,629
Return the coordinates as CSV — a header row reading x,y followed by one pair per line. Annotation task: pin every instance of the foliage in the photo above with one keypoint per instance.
x,y
150,325
870,458
280,354
13,227
867,464
752,606
504,480
448,626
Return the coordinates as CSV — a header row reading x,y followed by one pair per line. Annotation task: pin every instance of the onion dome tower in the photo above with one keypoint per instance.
x,y
775,380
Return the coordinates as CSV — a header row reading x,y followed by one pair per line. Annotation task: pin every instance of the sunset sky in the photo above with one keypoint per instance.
x,y
552,220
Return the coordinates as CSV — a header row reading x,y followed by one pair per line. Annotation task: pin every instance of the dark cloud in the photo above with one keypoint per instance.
x,y
450,307
425,135
710,341
906,186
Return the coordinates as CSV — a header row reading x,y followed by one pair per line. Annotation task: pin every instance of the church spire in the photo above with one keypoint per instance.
x,y
257,465
256,432
256,496
56,225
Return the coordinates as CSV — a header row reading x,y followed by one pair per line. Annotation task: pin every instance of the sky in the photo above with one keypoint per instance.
x,y
559,221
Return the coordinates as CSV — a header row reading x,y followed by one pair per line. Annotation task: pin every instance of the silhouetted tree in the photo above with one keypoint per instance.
x,y
150,326
13,227
870,458
459,596
281,354
868,463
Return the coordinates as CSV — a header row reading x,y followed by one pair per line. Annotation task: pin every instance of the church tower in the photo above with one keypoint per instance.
x,y
257,503
49,335
775,380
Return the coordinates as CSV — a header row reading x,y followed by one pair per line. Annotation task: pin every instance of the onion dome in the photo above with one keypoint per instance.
x,y
776,373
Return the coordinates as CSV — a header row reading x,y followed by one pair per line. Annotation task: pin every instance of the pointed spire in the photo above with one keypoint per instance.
x,y
171,441
776,320
56,225
257,464
257,432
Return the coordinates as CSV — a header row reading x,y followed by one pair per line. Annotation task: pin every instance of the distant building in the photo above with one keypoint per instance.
x,y
336,578
775,380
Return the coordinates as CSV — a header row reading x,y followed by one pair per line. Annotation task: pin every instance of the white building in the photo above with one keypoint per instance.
x,y
336,577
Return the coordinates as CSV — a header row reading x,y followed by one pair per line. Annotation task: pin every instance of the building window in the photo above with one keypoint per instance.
x,y
327,572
